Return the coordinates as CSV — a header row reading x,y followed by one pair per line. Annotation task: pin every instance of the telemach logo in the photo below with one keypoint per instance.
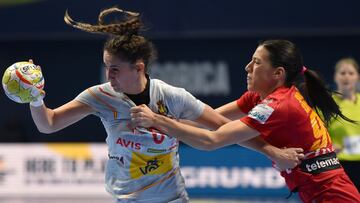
x,y
318,165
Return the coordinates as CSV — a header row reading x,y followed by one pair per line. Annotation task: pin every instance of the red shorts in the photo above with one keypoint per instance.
x,y
337,189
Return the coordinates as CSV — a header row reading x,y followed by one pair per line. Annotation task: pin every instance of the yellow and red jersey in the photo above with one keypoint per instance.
x,y
284,119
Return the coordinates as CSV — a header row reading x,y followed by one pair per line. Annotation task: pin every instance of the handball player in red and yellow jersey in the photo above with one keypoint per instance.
x,y
274,108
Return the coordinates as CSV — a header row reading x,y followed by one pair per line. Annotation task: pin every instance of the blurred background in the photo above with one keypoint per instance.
x,y
203,46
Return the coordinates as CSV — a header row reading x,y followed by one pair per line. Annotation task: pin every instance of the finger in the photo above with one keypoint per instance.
x,y
299,150
301,156
42,92
135,109
134,115
135,121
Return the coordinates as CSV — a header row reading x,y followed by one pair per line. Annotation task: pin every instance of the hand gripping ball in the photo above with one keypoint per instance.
x,y
23,82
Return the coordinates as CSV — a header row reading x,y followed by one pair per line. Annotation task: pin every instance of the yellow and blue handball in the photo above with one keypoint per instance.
x,y
23,82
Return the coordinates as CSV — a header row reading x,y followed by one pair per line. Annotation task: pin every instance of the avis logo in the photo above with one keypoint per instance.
x,y
128,144
150,166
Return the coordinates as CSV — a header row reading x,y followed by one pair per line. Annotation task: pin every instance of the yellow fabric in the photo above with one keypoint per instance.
x,y
341,130
142,164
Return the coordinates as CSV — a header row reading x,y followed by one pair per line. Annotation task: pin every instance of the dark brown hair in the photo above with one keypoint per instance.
x,y
125,40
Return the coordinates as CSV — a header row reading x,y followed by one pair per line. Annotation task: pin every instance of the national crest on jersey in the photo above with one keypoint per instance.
x,y
162,109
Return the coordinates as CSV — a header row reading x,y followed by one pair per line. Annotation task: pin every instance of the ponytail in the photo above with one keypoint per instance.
x,y
125,40
319,97
129,27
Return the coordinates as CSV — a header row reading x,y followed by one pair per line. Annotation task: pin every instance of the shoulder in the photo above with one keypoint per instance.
x,y
165,88
96,90
251,96
104,88
284,100
337,98
161,84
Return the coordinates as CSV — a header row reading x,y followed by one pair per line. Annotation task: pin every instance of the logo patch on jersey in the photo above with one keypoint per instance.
x,y
261,113
142,164
155,151
128,144
119,158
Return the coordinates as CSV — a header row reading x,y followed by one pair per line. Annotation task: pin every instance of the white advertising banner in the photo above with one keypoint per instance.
x,y
75,169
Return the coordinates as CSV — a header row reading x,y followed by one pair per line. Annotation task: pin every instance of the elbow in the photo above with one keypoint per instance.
x,y
208,147
212,143
46,130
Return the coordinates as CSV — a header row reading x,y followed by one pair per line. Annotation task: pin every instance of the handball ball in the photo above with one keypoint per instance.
x,y
23,82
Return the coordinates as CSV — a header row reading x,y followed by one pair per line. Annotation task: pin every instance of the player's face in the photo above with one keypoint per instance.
x,y
346,77
122,75
259,72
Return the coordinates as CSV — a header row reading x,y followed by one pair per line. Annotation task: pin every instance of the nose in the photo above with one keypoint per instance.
x,y
248,67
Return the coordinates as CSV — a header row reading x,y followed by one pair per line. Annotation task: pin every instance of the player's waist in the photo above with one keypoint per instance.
x,y
321,163
136,188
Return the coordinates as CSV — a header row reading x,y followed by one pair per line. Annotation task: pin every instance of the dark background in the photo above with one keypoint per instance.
x,y
183,30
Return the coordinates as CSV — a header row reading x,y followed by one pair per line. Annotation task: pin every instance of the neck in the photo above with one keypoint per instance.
x,y
264,94
140,86
348,94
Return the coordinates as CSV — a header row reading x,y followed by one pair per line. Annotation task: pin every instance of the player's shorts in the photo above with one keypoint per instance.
x,y
338,189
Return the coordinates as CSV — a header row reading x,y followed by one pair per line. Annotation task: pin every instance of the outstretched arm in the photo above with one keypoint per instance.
x,y
196,137
51,120
231,133
284,158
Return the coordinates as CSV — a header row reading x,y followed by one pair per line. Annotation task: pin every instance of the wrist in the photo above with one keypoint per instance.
x,y
159,122
37,103
271,152
156,121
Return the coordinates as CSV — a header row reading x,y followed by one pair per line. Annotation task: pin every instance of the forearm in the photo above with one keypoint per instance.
x,y
259,145
51,120
43,118
284,158
196,137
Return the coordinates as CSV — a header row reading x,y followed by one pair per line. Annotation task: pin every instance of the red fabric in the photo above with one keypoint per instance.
x,y
290,123
284,119
331,186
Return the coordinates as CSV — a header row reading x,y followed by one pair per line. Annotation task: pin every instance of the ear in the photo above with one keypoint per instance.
x,y
140,66
279,72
